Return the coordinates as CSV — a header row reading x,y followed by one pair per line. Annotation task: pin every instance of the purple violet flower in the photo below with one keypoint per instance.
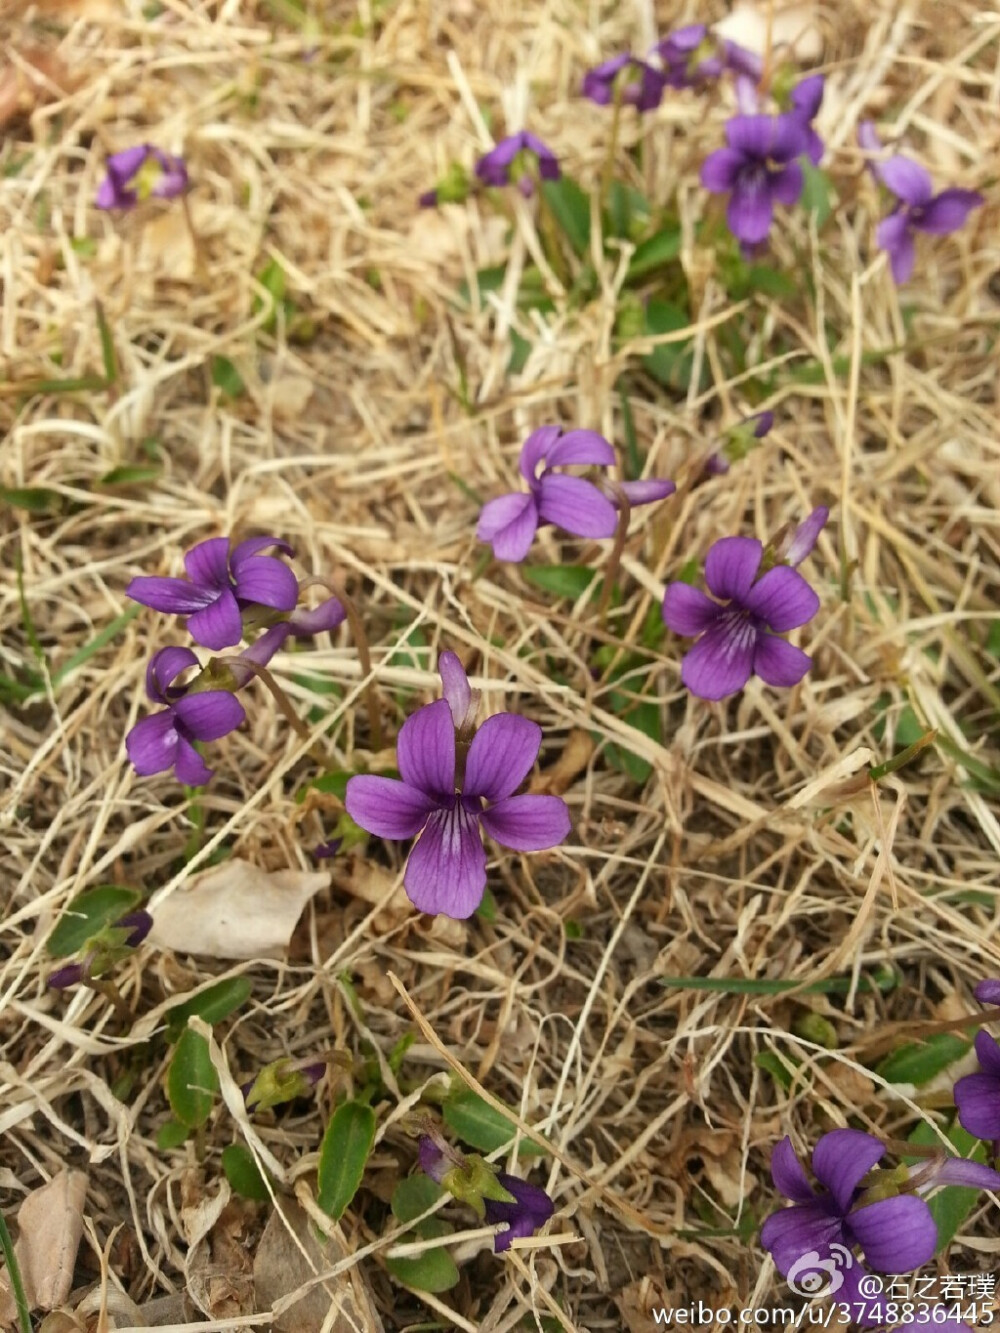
x,y
977,1096
495,167
139,173
529,1212
813,1242
626,77
738,637
445,809
919,209
758,169
220,586
678,50
166,740
510,522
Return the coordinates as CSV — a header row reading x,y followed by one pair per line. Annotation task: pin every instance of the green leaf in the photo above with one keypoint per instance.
x,y
272,278
487,909
36,499
663,246
134,474
171,1135
782,1068
768,281
109,357
563,580
645,717
570,207
343,1155
918,1062
331,784
953,1204
243,1173
434,1270
885,979
226,377
212,1004
520,350
671,363
413,1196
476,1123
191,1080
817,194
84,654
88,914
633,459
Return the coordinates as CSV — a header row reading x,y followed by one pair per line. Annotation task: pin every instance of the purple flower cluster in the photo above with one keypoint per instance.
x,y
141,173
737,634
453,782
880,1213
510,522
917,208
226,592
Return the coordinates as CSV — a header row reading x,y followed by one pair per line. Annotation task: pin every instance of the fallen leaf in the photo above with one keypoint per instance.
x,y
289,1255
235,910
50,1223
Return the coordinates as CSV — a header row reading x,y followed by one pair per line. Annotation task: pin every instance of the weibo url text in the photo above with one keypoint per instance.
x,y
837,1314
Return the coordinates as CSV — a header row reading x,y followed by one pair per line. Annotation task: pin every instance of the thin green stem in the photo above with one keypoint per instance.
x,y
14,1269
114,997
281,699
608,170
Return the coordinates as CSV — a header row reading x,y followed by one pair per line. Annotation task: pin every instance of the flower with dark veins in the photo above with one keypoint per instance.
x,y
878,1212
220,585
737,635
167,739
446,810
757,169
509,523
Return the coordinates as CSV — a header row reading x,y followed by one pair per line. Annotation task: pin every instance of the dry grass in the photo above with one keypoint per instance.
x,y
758,848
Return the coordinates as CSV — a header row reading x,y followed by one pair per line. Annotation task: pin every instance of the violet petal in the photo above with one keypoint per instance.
x,y
219,625
721,662
502,754
782,599
687,610
386,807
207,564
789,1175
152,743
907,179
576,505
175,597
189,767
446,871
425,750
897,1235
779,663
211,715
841,1158
731,566
527,823
509,523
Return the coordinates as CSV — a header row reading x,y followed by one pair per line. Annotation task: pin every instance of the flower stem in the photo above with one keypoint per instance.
x,y
364,655
14,1269
608,170
282,700
615,557
114,997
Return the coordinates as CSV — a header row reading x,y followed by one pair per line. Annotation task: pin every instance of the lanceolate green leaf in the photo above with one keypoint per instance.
x,y
343,1155
88,914
191,1080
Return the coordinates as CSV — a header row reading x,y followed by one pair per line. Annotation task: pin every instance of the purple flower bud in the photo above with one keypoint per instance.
x,y
435,1159
800,544
140,173
138,924
988,992
326,850
64,977
738,635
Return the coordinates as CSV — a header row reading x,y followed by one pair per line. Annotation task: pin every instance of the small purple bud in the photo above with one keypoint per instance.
x,y
326,850
803,539
988,992
64,977
139,923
